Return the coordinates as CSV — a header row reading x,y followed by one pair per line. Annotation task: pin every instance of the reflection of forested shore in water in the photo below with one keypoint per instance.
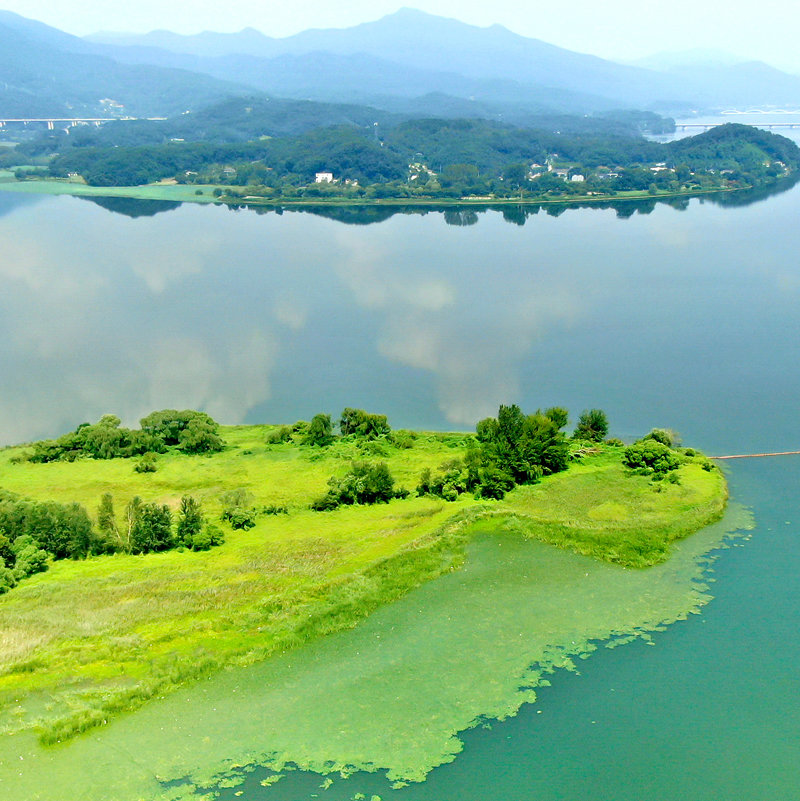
x,y
516,214
134,207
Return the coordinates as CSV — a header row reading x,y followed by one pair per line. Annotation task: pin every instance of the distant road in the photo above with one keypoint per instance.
x,y
71,121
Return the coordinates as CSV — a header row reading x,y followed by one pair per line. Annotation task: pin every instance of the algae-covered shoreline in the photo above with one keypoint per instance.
x,y
393,694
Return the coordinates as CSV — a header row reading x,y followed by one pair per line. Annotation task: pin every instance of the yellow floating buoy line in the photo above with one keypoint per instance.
x,y
756,455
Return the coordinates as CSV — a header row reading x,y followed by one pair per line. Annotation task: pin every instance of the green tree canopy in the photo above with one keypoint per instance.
x,y
320,431
592,425
363,424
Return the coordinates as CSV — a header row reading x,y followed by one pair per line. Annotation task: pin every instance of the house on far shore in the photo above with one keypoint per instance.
x,y
323,178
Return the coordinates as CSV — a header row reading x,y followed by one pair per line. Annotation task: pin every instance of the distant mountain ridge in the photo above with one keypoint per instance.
x,y
437,47
46,72
427,44
408,62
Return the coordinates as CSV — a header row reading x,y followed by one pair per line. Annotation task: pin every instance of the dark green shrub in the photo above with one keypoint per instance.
x,y
320,431
6,550
424,486
495,483
7,578
650,456
279,435
152,529
29,558
63,530
238,509
660,435
201,541
106,537
147,464
190,521
558,415
524,447
448,483
200,436
363,424
192,432
365,483
592,425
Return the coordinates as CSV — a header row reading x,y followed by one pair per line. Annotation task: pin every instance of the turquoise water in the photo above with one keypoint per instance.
x,y
681,317
707,710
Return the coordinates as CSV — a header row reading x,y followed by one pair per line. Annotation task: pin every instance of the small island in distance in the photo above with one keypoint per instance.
x,y
182,546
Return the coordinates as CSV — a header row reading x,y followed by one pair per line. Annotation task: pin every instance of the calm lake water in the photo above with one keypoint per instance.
x,y
682,315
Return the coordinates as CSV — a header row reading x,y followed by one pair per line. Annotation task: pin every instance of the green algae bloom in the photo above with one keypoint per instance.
x,y
392,694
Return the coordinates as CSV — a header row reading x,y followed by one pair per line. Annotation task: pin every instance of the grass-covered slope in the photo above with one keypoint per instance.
x,y
87,639
599,509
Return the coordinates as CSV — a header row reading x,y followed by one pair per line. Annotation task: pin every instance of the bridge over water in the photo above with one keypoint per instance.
x,y
685,126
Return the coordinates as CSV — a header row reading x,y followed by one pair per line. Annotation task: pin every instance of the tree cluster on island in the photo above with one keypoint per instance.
x,y
512,449
506,451
187,431
32,533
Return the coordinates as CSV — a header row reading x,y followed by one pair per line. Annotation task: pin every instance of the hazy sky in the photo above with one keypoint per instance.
x,y
621,29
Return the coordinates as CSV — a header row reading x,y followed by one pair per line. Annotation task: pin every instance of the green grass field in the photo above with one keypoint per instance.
x,y
89,639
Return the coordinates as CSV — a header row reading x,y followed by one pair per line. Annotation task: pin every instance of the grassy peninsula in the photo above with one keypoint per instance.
x,y
92,637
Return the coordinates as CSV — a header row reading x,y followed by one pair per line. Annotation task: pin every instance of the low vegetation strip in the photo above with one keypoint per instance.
x,y
88,638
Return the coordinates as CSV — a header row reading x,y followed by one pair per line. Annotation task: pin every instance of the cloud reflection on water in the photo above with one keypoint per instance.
x,y
426,323
109,318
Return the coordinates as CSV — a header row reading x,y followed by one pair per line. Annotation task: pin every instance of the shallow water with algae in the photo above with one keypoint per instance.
x,y
392,695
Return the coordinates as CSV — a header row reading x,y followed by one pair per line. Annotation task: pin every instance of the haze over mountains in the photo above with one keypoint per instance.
x,y
409,62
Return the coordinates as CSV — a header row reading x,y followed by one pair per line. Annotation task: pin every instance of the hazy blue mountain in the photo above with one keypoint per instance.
x,y
406,62
434,44
362,78
45,72
716,77
411,53
208,44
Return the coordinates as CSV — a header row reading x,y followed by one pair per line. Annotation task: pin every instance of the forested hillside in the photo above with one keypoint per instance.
x,y
444,158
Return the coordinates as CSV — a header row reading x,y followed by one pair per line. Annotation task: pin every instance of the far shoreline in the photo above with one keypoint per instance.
x,y
187,193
